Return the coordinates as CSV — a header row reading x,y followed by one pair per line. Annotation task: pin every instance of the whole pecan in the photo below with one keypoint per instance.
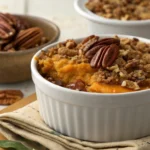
x,y
28,38
10,96
6,31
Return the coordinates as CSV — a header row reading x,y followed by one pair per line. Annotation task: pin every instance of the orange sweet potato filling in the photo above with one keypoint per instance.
x,y
106,88
69,72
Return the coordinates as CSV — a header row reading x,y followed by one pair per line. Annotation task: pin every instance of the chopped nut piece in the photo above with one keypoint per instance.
x,y
130,85
147,68
71,44
146,58
67,52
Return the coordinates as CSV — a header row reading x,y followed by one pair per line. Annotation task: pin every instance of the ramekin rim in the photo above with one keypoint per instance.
x,y
63,89
93,17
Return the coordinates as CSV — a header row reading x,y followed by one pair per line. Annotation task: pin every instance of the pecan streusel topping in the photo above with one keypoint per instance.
x,y
120,9
95,63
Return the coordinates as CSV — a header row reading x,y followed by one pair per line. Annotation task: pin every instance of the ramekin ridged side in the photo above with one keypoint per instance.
x,y
95,124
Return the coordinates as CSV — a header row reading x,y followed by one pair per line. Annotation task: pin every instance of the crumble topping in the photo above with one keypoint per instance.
x,y
67,65
120,9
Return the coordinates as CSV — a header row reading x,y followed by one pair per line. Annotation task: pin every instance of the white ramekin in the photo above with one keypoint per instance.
x,y
101,25
92,116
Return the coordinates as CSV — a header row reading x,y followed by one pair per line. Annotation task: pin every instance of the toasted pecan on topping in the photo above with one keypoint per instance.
x,y
120,9
89,42
130,84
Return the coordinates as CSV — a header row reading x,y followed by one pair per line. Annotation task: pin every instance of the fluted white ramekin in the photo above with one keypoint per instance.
x,y
92,116
101,25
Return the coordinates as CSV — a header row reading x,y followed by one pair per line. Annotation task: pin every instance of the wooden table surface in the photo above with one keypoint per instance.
x,y
16,106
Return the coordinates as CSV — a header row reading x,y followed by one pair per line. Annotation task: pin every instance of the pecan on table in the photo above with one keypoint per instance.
x,y
8,97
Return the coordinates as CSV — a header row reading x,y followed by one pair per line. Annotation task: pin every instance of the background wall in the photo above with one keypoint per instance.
x,y
59,11
50,8
44,8
13,6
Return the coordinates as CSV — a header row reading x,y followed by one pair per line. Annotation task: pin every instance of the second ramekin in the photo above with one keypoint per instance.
x,y
101,25
92,116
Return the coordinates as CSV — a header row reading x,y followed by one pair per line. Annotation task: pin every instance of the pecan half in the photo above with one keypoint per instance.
x,y
4,17
28,38
15,21
8,97
96,61
21,24
103,52
89,42
108,41
90,53
6,31
110,55
105,56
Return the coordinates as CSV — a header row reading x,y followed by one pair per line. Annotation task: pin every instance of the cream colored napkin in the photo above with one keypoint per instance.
x,y
27,126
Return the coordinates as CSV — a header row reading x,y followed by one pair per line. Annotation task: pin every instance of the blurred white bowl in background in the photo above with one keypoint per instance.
x,y
101,25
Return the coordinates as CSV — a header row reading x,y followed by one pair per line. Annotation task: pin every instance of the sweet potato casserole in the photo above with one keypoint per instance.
x,y
103,65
